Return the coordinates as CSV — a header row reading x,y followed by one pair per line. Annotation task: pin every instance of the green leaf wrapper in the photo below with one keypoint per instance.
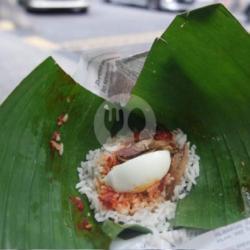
x,y
197,78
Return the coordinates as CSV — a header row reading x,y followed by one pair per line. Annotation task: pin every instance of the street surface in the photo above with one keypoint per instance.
x,y
105,25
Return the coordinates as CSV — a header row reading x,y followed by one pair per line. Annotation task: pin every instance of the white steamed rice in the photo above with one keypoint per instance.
x,y
157,220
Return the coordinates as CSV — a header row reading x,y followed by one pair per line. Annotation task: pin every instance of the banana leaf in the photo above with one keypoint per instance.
x,y
195,78
36,185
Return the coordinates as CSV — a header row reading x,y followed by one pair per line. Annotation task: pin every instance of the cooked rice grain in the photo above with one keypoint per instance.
x,y
158,219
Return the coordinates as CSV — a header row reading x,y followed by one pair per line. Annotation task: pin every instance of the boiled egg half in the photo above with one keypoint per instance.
x,y
139,173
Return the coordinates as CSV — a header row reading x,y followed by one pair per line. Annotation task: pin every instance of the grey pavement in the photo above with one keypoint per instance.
x,y
17,60
10,10
103,19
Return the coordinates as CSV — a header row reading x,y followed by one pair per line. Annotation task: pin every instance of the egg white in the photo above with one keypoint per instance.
x,y
139,173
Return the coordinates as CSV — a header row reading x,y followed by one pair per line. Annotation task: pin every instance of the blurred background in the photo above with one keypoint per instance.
x,y
30,30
